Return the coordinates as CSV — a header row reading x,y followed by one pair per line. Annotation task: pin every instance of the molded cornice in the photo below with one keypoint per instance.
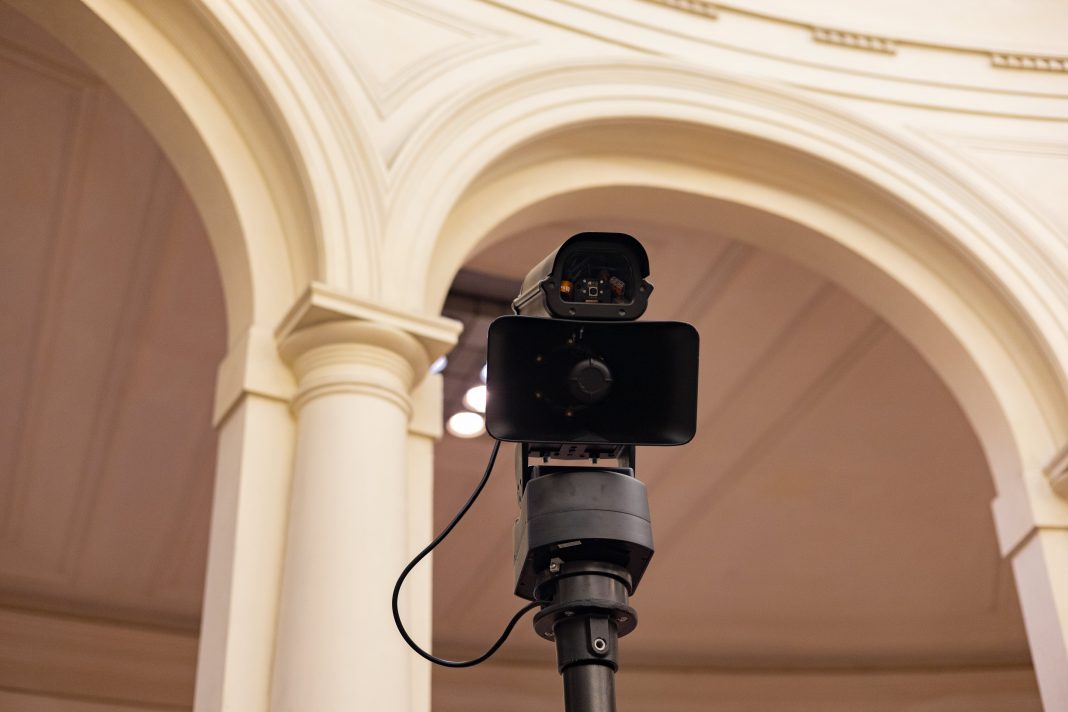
x,y
898,69
253,365
321,304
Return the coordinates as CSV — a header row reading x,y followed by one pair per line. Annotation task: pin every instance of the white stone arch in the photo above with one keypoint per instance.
x,y
233,154
961,271
971,278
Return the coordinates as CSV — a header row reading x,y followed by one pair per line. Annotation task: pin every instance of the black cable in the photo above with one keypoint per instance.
x,y
430,547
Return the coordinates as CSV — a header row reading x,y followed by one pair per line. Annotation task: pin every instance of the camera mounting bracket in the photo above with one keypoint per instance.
x,y
625,455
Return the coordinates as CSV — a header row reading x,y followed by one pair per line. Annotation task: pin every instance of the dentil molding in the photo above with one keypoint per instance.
x,y
854,40
1033,62
696,7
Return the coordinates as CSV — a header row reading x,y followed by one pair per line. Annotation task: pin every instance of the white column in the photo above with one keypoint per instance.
x,y
348,530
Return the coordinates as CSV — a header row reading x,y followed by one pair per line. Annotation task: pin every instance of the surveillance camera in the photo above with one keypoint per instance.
x,y
595,276
590,379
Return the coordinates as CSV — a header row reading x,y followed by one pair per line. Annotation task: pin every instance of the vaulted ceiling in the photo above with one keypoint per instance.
x,y
825,540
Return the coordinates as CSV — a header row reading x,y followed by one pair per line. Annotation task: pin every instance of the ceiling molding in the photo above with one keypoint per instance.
x,y
46,66
1045,256
528,686
388,93
657,35
83,100
177,575
785,421
321,304
129,323
915,39
857,334
716,280
96,661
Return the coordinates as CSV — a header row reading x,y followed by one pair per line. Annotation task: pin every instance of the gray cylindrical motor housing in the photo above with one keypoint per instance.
x,y
578,514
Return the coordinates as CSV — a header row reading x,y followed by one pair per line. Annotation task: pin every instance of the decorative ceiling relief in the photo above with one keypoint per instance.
x,y
375,38
953,48
52,109
1029,168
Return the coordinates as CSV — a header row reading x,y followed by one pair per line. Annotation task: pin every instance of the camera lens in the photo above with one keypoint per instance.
x,y
597,276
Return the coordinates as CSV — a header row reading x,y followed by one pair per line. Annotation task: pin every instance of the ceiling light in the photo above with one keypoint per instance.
x,y
475,399
439,364
482,373
466,424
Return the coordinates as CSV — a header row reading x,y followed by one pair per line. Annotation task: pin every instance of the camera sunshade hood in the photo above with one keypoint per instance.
x,y
604,383
592,276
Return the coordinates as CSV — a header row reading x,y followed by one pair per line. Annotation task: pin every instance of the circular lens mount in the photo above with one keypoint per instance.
x,y
590,380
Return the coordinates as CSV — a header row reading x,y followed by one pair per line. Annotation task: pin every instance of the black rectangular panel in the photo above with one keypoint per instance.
x,y
560,381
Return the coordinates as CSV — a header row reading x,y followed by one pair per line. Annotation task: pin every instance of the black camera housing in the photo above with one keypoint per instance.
x,y
593,276
581,514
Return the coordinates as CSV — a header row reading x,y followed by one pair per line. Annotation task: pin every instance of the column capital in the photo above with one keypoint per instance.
x,y
339,343
321,304
354,356
253,365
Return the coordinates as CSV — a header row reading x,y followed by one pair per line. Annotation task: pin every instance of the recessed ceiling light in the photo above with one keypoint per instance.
x,y
439,364
466,424
475,399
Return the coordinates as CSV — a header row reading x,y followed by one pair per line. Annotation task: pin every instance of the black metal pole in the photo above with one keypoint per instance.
x,y
589,604
589,688
587,646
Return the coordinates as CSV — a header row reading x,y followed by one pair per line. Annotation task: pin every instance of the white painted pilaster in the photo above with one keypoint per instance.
x,y
1040,565
245,556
